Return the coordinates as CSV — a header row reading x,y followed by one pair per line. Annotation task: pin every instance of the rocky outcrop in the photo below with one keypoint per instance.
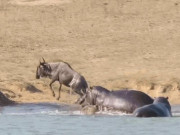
x,y
4,100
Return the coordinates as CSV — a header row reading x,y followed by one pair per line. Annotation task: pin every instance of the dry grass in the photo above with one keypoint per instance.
x,y
113,43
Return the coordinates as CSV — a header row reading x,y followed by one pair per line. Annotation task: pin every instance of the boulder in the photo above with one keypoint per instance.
x,y
4,100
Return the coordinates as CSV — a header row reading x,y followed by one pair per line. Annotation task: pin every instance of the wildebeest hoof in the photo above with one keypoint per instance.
x,y
89,109
77,102
53,94
58,98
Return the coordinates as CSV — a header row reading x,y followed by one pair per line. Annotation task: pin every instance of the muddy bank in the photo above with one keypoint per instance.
x,y
23,92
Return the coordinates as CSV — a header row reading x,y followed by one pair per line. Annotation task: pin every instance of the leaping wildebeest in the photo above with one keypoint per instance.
x,y
64,73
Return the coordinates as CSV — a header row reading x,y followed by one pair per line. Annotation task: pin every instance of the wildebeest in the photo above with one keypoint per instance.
x,y
64,73
122,100
159,108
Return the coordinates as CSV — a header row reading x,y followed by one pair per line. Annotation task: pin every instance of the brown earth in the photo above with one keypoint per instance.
x,y
131,44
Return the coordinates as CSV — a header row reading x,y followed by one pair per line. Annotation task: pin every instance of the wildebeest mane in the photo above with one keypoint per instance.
x,y
66,63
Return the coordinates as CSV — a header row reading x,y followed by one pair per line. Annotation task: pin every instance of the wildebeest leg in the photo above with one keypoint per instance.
x,y
59,95
100,108
81,99
53,94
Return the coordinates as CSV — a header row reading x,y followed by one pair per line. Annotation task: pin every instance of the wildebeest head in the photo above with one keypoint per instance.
x,y
43,69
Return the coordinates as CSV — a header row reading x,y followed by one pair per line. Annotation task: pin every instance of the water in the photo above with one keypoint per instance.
x,y
53,119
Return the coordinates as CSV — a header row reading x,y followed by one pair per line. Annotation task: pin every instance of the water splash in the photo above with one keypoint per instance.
x,y
62,109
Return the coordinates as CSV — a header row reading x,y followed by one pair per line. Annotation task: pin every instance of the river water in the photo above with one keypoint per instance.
x,y
55,119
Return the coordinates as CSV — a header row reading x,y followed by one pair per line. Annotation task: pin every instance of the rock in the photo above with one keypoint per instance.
x,y
4,100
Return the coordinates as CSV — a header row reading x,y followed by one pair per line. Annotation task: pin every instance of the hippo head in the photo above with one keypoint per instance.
x,y
89,97
95,95
163,100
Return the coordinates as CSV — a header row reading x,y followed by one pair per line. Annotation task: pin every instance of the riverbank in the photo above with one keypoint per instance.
x,y
115,44
39,90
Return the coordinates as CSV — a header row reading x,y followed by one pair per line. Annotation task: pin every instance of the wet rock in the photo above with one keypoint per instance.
x,y
4,100
89,109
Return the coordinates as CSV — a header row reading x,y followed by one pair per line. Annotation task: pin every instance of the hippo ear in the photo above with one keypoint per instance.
x,y
154,97
167,98
91,88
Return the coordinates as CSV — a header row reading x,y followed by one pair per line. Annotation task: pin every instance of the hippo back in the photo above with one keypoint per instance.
x,y
159,108
127,100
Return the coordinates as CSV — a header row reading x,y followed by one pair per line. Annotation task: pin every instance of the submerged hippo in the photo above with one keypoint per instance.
x,y
159,108
122,100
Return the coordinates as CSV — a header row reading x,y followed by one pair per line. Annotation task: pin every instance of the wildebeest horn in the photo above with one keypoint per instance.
x,y
43,60
40,62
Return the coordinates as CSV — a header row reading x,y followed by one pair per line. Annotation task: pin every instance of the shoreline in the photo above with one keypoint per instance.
x,y
36,92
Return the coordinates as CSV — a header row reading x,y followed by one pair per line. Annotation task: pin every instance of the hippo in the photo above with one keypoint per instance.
x,y
159,108
121,100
